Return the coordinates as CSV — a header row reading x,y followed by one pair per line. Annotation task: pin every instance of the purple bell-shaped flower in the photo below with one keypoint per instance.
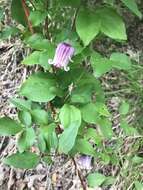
x,y
63,55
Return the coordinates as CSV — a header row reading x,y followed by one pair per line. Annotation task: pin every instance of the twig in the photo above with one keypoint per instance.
x,y
26,11
79,175
74,19
32,4
58,128
46,27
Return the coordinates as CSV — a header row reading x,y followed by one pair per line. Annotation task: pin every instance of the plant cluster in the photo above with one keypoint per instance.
x,y
62,107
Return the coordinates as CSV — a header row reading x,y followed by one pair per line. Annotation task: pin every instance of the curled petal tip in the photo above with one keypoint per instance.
x,y
50,61
70,59
66,68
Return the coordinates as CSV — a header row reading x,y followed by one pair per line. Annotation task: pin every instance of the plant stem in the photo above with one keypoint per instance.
x,y
46,27
32,4
26,11
79,175
74,19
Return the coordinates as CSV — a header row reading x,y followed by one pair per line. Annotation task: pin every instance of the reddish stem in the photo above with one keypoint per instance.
x,y
26,11
79,175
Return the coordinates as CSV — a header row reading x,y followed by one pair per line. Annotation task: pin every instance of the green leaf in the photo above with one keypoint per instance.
x,y
106,128
138,185
109,181
128,130
124,108
21,104
87,25
112,24
92,134
26,160
102,109
132,5
44,57
100,65
105,158
37,41
1,14
105,20
39,87
48,160
95,179
9,127
69,114
40,116
84,147
53,140
50,136
32,59
89,113
68,137
26,139
73,3
37,17
17,12
82,94
25,118
110,2
41,143
121,61
9,31
137,160
39,58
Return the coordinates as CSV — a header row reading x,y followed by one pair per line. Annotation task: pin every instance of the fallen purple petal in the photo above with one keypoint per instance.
x,y
85,161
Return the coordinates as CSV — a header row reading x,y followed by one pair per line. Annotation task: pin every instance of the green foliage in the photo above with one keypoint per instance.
x,y
112,24
37,17
100,65
25,118
17,12
124,108
49,136
92,28
106,127
69,114
26,160
21,104
132,5
9,127
92,112
68,137
38,42
95,179
89,113
73,3
103,65
138,185
92,134
84,147
26,139
105,20
42,86
39,116
120,61
9,31
128,130
1,14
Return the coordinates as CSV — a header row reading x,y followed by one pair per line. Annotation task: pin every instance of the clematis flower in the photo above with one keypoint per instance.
x,y
85,161
63,55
